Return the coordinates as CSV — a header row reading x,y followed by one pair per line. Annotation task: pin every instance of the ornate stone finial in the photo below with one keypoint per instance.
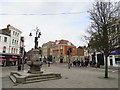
x,y
8,25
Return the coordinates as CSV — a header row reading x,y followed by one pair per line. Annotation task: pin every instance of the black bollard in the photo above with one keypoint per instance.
x,y
19,67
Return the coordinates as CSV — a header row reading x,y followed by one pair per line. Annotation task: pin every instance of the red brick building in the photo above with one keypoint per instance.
x,y
80,51
61,47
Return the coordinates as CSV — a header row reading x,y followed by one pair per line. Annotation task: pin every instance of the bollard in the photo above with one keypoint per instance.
x,y
19,67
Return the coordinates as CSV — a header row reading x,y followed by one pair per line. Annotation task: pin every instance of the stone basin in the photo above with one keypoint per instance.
x,y
35,67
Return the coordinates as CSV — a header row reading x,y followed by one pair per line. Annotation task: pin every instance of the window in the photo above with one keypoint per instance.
x,y
68,43
17,41
13,32
13,41
16,51
57,42
4,49
5,39
12,50
117,61
0,38
51,50
18,34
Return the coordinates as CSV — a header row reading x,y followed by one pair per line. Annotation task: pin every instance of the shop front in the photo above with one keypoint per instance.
x,y
114,58
9,59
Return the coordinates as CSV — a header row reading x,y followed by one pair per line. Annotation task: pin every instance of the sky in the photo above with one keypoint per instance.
x,y
56,19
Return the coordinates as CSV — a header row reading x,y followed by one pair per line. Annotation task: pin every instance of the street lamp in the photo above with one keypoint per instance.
x,y
38,34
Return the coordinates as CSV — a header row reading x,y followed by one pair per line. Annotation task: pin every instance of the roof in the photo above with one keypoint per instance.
x,y
9,26
50,42
64,42
5,31
80,47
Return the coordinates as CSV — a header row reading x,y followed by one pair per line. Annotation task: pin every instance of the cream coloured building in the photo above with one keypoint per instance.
x,y
46,49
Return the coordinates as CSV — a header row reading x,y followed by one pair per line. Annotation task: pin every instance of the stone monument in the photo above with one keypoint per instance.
x,y
34,74
35,63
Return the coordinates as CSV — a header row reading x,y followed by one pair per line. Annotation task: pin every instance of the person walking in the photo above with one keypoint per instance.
x,y
74,63
82,63
48,61
78,63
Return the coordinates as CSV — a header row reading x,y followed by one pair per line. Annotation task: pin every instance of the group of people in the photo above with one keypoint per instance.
x,y
94,64
78,63
84,63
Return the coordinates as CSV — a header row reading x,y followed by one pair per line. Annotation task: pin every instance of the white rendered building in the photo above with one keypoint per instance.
x,y
10,40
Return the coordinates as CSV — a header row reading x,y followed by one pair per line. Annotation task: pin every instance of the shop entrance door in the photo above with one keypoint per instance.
x,y
111,62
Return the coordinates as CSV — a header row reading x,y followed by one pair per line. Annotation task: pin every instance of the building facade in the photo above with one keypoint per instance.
x,y
46,48
10,39
14,39
114,57
80,53
4,42
60,50
114,40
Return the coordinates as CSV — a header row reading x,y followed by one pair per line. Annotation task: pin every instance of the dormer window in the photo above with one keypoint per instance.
x,y
57,42
68,43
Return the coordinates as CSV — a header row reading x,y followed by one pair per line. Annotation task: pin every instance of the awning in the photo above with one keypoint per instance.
x,y
2,59
115,52
13,59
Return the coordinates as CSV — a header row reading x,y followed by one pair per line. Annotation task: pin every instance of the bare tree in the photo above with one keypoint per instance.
x,y
103,15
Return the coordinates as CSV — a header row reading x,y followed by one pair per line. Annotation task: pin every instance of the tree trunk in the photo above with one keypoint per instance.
x,y
106,66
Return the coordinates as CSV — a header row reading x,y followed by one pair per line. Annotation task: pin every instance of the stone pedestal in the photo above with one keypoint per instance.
x,y
25,77
35,67
34,74
35,63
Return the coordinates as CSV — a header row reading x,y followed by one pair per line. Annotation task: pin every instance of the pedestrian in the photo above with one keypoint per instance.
x,y
61,59
97,65
78,63
71,64
74,63
93,63
90,63
48,61
82,63
86,63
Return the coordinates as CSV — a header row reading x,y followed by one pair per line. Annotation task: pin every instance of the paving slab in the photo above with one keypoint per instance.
x,y
75,77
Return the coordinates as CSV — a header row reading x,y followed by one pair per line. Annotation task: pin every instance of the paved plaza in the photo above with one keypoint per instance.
x,y
75,77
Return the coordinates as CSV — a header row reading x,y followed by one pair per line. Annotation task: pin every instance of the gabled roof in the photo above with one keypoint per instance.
x,y
66,42
5,31
11,27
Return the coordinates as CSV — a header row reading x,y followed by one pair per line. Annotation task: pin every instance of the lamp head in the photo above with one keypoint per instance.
x,y
39,34
30,34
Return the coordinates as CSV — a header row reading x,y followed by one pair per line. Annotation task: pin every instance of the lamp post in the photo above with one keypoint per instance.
x,y
35,63
38,33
